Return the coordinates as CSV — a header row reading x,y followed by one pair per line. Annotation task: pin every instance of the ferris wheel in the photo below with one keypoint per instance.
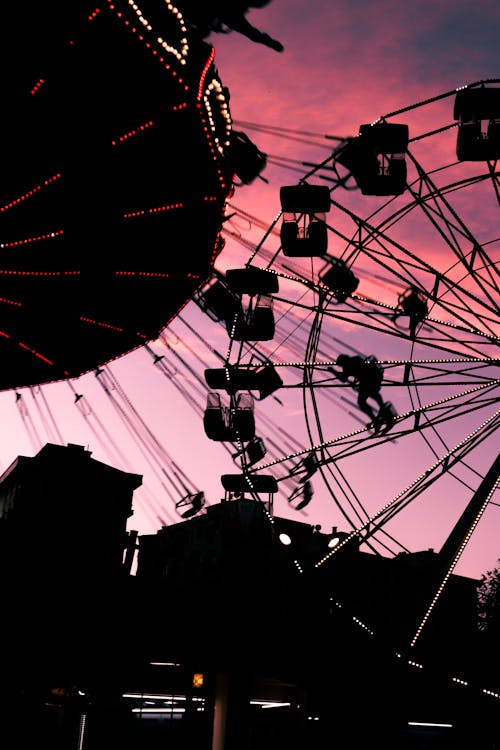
x,y
383,259
386,250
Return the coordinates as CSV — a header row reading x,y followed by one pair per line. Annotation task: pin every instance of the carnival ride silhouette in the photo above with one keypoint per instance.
x,y
107,181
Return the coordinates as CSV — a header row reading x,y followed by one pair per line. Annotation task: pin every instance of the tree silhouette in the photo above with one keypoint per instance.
x,y
489,602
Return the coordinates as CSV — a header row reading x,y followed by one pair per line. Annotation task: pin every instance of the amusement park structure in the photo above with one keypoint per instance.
x,y
227,636
120,156
118,199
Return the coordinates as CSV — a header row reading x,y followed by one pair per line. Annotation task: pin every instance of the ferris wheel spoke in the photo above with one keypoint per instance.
x,y
409,494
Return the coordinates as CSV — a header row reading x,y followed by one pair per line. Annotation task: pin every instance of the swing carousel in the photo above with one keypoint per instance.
x,y
117,163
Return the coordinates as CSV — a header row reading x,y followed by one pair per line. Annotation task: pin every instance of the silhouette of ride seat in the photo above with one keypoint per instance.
x,y
390,178
478,113
231,378
253,452
193,503
475,145
305,199
340,279
229,424
252,280
289,234
304,493
317,236
268,380
254,324
297,244
247,160
241,483
493,137
218,301
214,418
376,158
262,378
385,137
412,302
303,231
242,420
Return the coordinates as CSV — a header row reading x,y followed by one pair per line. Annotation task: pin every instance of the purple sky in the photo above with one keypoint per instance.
x,y
344,64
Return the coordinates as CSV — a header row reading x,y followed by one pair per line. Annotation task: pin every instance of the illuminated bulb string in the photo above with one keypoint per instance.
x,y
204,72
28,240
417,665
231,338
155,210
399,496
167,47
111,327
209,127
8,272
268,515
38,85
33,351
463,327
428,318
148,45
157,274
141,18
31,192
209,132
306,451
454,563
133,133
491,692
94,14
216,86
218,246
458,360
101,324
404,415
81,731
362,625
455,361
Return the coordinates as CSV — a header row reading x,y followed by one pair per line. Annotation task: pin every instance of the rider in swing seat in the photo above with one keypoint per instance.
x,y
366,376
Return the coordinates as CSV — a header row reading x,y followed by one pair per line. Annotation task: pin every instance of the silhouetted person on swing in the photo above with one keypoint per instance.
x,y
367,375
411,302
224,16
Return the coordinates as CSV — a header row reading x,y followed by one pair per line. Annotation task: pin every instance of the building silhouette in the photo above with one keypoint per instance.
x,y
224,638
63,518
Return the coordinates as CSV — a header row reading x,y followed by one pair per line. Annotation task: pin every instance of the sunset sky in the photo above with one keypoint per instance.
x,y
343,64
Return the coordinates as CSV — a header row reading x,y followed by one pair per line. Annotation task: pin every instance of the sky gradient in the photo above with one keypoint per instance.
x,y
343,64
